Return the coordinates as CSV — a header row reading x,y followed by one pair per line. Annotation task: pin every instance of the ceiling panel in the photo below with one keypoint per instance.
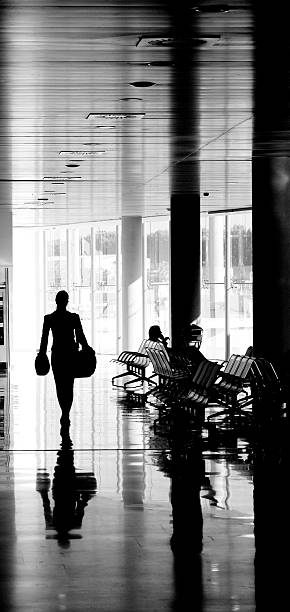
x,y
65,59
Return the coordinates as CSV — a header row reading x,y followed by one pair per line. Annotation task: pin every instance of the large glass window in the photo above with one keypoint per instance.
x,y
241,283
226,304
79,271
83,261
56,264
105,288
156,274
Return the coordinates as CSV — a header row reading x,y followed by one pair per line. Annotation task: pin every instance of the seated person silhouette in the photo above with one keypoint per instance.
x,y
67,334
156,335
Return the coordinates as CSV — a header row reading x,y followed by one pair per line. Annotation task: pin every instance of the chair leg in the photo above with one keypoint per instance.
x,y
138,379
120,375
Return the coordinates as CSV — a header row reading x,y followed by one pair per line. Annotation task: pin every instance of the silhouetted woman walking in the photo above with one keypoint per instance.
x,y
67,334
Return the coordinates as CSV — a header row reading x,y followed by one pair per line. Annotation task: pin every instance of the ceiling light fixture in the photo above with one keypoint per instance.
x,y
117,116
105,127
61,178
72,165
142,84
129,99
208,40
211,8
80,154
55,192
160,64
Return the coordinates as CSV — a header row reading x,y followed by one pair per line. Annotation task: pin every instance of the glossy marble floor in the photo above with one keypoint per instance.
x,y
86,521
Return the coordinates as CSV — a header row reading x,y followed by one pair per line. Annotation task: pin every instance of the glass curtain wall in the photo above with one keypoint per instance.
x,y
105,288
83,261
227,297
156,274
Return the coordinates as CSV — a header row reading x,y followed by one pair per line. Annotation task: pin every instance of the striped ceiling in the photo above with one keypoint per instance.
x,y
63,60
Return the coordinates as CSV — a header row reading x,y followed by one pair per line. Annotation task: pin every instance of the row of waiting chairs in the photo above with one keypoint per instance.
x,y
233,384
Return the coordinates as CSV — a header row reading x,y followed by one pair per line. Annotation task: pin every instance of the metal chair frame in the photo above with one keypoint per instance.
x,y
233,389
136,363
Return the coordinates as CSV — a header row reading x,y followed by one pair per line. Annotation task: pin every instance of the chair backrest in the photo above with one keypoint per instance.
x,y
152,344
161,365
206,374
269,379
239,366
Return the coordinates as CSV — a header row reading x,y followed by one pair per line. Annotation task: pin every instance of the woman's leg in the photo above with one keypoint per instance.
x,y
64,382
65,396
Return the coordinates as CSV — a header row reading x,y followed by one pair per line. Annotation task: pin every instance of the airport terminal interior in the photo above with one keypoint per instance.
x,y
144,170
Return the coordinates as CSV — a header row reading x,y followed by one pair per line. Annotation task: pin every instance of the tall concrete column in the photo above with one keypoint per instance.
x,y
271,186
185,184
5,198
5,226
216,264
185,262
132,283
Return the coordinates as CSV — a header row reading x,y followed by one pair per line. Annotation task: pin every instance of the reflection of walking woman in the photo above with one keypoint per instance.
x,y
67,334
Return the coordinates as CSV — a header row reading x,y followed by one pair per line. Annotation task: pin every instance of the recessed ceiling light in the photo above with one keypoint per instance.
x,y
212,8
55,192
61,178
117,116
155,41
80,154
160,64
129,99
171,43
142,84
105,127
72,165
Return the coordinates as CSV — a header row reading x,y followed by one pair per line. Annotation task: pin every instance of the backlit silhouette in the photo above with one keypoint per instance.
x,y
67,334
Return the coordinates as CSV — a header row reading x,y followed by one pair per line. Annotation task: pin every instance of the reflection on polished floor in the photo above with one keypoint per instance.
x,y
110,517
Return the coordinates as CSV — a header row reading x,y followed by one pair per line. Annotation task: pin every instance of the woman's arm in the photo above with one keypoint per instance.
x,y
44,336
80,336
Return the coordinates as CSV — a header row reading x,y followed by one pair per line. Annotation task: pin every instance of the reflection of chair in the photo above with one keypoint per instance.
x,y
232,390
136,363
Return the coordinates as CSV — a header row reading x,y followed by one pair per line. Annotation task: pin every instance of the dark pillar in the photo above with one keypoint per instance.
x,y
271,185
185,197
185,262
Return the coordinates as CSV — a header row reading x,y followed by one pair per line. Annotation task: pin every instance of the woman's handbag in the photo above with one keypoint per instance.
x,y
42,365
85,362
